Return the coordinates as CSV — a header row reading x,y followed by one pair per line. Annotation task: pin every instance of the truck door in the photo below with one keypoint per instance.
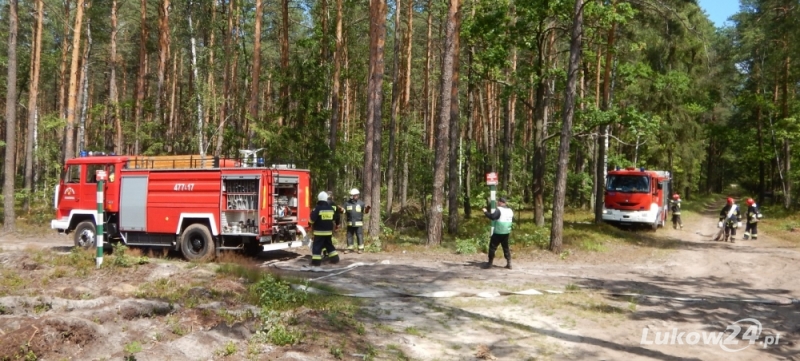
x,y
71,192
89,188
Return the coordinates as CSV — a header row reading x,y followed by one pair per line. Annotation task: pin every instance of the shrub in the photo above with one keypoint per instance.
x,y
276,294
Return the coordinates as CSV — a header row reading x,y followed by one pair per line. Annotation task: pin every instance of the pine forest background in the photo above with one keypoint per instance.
x,y
411,101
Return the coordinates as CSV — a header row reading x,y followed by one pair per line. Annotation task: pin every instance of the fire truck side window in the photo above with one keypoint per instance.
x,y
91,171
111,175
73,174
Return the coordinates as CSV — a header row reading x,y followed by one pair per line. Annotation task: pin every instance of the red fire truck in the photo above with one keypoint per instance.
x,y
184,203
636,197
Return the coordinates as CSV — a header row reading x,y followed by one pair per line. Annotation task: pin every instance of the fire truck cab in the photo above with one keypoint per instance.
x,y
636,197
197,206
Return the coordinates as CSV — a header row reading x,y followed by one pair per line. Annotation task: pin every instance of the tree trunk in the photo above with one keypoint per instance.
x,y
172,101
443,126
63,85
557,225
33,94
405,106
759,139
163,56
426,80
509,116
372,152
252,108
69,151
602,139
787,155
113,93
336,97
540,130
212,104
284,44
227,81
200,129
455,135
139,104
395,109
84,93
469,133
9,213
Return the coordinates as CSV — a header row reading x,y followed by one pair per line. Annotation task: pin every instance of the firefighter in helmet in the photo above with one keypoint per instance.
x,y
753,215
729,219
675,207
322,223
354,211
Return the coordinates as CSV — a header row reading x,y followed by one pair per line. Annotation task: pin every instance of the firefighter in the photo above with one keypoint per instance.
x,y
675,207
354,211
322,224
502,219
337,216
753,215
729,218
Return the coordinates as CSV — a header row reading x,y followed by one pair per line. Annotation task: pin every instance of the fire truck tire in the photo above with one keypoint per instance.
x,y
84,235
197,243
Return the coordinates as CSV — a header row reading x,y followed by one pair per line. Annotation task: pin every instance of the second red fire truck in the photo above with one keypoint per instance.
x,y
636,197
197,206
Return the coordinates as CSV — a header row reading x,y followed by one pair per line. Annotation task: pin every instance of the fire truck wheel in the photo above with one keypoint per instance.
x,y
197,243
85,234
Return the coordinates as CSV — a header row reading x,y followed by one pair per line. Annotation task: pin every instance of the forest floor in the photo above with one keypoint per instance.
x,y
408,304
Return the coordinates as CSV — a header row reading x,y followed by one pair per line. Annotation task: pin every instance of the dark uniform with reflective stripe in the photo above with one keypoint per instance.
x,y
675,206
751,230
729,223
354,209
322,221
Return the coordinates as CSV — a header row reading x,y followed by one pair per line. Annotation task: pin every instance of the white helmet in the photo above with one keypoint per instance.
x,y
323,196
354,192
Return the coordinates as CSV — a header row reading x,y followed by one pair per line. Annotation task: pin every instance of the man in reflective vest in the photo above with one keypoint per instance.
x,y
321,222
502,219
354,210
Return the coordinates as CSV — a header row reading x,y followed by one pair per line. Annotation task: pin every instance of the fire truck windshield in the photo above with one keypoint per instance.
x,y
628,183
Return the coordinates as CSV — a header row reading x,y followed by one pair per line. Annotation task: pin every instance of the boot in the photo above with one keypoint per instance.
x,y
316,263
732,240
334,259
488,265
508,263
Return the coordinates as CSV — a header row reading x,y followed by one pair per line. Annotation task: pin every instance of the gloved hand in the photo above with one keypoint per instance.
x,y
738,224
719,225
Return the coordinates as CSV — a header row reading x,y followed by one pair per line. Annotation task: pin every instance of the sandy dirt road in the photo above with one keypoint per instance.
x,y
697,288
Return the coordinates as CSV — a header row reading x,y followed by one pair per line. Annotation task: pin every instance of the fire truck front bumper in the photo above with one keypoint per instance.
x,y
628,217
60,225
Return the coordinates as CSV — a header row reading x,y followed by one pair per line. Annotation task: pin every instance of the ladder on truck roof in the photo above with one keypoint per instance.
x,y
193,161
